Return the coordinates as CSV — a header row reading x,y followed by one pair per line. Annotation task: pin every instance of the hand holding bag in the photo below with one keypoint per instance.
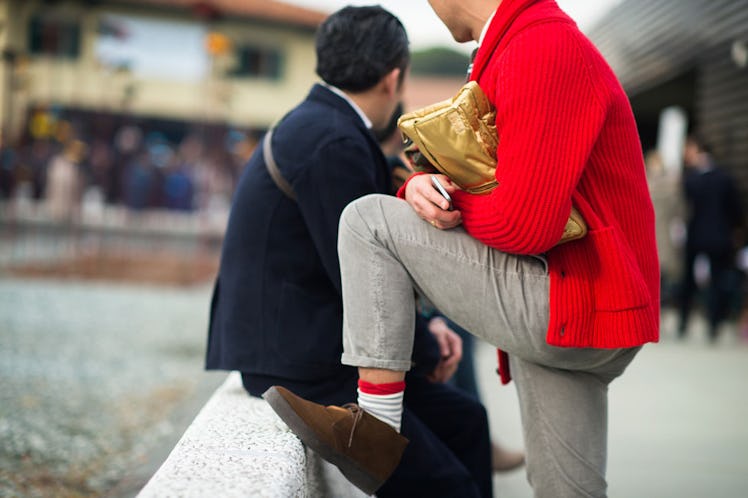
x,y
458,137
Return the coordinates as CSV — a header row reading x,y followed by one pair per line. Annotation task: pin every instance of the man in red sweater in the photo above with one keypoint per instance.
x,y
571,317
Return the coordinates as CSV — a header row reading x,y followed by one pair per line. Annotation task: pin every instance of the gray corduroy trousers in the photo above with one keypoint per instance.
x,y
387,254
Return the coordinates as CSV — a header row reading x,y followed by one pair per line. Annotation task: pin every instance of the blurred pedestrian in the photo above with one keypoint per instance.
x,y
667,199
8,160
65,182
100,160
139,183
715,218
38,159
128,154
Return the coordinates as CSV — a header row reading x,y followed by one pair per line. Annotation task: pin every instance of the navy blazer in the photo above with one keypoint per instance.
x,y
277,307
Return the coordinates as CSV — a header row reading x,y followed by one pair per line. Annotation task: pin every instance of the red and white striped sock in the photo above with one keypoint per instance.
x,y
384,401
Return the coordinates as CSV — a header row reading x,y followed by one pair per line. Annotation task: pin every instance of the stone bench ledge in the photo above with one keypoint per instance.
x,y
237,446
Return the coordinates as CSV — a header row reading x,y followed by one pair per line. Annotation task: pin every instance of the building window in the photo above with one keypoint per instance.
x,y
53,36
258,62
153,48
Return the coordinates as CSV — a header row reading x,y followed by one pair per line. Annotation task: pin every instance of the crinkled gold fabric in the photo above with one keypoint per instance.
x,y
458,137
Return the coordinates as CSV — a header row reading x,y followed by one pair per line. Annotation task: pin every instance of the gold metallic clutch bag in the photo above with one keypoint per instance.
x,y
457,137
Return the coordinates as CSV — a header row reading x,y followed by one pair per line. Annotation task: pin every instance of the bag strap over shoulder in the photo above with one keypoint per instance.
x,y
272,167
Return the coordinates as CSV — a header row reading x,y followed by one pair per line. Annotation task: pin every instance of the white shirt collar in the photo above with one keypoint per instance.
x,y
344,96
485,28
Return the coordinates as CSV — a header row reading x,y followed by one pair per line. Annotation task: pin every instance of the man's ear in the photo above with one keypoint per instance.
x,y
391,81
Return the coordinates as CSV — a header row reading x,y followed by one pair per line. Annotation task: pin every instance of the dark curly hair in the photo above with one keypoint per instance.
x,y
357,46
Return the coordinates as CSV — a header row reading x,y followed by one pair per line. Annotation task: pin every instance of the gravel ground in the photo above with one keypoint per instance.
x,y
97,383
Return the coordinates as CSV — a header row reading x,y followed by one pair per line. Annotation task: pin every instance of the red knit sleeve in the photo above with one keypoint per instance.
x,y
548,118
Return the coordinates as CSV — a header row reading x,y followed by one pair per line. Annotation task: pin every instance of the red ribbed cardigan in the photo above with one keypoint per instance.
x,y
567,135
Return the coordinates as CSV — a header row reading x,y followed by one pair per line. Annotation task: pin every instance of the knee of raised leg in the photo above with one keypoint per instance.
x,y
356,213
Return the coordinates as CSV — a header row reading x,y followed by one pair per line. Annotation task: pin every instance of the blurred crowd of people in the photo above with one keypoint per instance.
x,y
60,161
702,233
702,239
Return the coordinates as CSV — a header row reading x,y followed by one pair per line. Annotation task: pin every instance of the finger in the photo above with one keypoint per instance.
x,y
425,209
453,358
424,192
431,214
455,346
451,363
415,187
448,218
448,373
450,222
439,201
442,373
457,350
444,348
447,226
433,195
424,198
435,207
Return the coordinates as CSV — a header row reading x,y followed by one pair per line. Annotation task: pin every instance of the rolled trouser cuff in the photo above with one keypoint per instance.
x,y
366,362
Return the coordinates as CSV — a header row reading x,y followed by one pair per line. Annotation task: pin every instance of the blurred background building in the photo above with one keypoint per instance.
x,y
180,61
684,65
115,107
184,86
137,114
130,120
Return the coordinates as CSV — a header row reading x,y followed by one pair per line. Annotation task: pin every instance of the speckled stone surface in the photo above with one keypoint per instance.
x,y
98,381
237,446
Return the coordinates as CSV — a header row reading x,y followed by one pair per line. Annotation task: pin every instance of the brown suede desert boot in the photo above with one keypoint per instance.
x,y
365,449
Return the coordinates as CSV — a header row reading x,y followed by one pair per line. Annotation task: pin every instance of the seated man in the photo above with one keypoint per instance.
x,y
277,309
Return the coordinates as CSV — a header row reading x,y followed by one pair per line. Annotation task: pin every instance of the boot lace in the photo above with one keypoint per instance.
x,y
357,413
